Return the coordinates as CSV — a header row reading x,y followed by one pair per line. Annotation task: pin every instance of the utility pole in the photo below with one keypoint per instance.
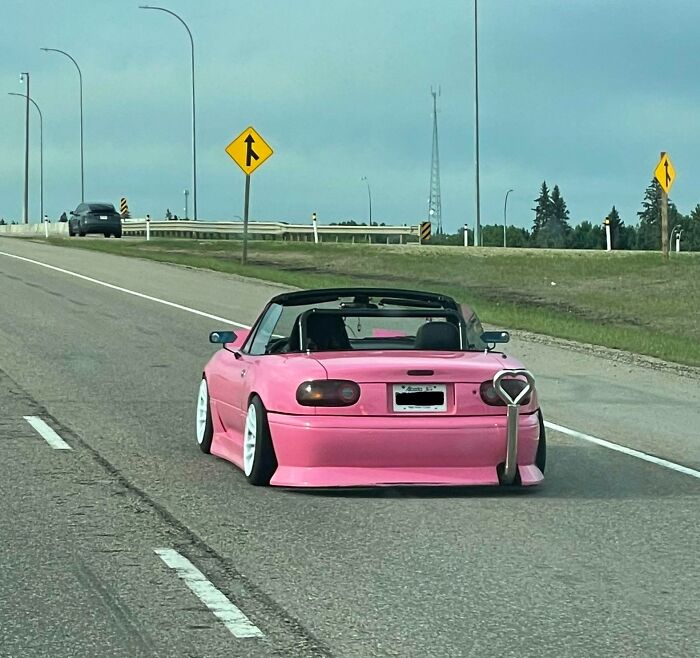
x,y
477,232
434,202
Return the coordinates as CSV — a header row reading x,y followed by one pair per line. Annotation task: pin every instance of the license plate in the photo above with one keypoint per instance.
x,y
420,397
103,216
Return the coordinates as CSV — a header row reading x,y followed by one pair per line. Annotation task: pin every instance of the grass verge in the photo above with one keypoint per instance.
x,y
627,300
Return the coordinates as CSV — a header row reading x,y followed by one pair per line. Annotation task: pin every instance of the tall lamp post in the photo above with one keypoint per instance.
x,y
187,194
505,217
80,79
477,232
24,77
369,196
194,134
41,149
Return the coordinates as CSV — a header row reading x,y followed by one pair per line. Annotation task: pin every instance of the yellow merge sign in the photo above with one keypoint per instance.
x,y
665,173
249,150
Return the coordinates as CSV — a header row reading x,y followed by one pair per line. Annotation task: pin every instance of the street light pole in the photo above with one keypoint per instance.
x,y
369,196
477,232
505,217
41,150
80,79
24,77
187,193
194,133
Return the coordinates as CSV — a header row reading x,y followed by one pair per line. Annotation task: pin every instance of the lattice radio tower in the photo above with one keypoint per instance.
x,y
434,203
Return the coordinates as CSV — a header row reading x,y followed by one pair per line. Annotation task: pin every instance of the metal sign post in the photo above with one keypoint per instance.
x,y
246,205
249,150
608,237
466,235
46,226
313,220
148,228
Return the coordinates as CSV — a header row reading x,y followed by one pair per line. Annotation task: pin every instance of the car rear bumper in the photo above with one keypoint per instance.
x,y
103,226
341,451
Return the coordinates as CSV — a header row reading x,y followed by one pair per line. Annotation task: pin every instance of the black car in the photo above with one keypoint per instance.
x,y
95,218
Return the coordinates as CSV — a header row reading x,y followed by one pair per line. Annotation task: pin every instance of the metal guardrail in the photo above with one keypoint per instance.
x,y
200,229
275,229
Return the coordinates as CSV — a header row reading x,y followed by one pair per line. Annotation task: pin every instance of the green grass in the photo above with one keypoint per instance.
x,y
628,300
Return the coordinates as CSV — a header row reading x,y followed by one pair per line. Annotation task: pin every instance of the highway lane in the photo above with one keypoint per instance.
x,y
602,561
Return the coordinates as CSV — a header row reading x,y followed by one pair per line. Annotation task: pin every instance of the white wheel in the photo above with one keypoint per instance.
x,y
205,430
250,439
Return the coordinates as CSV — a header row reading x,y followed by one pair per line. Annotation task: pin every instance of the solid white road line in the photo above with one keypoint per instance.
x,y
47,433
559,428
141,295
233,618
623,449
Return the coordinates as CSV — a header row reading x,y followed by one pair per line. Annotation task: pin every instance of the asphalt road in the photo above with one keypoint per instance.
x,y
601,561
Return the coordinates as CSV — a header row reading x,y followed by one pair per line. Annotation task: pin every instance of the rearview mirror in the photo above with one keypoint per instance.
x,y
222,337
495,336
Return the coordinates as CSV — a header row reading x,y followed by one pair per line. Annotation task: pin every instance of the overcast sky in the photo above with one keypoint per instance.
x,y
583,93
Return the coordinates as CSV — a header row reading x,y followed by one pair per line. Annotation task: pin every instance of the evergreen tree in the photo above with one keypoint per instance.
x,y
555,233
616,225
649,231
543,211
691,237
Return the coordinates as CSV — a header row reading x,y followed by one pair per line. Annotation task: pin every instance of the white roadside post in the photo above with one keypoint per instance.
x,y
313,221
466,236
608,238
678,240
148,228
46,225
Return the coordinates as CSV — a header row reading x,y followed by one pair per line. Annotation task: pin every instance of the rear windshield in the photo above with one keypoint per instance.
x,y
101,207
374,331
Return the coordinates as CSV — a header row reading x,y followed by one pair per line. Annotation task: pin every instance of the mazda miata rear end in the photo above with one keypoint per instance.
x,y
365,387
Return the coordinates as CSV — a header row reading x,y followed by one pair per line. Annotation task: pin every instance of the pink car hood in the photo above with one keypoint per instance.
x,y
393,366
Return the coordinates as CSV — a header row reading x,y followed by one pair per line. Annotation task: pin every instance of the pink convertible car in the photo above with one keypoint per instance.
x,y
363,387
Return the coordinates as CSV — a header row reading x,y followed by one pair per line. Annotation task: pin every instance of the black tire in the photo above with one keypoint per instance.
x,y
70,233
205,443
264,461
81,234
118,234
541,455
106,234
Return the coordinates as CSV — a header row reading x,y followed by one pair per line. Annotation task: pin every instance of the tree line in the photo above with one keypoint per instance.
x,y
552,229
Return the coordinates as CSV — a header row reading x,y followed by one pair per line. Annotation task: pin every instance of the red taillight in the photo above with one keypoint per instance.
x,y
328,393
511,386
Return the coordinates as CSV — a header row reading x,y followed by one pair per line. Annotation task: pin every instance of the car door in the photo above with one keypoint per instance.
x,y
239,371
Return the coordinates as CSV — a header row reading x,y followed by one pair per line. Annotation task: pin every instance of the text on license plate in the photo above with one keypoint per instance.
x,y
103,216
420,397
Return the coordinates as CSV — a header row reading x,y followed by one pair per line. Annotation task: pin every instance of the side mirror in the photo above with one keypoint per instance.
x,y
222,337
495,337
72,212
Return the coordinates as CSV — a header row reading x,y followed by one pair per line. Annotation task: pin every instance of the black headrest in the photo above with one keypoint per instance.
x,y
437,336
325,331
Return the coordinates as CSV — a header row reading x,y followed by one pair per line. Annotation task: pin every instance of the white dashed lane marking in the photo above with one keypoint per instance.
x,y
47,433
624,450
233,618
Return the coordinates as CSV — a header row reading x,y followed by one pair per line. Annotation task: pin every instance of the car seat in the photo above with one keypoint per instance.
x,y
437,336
